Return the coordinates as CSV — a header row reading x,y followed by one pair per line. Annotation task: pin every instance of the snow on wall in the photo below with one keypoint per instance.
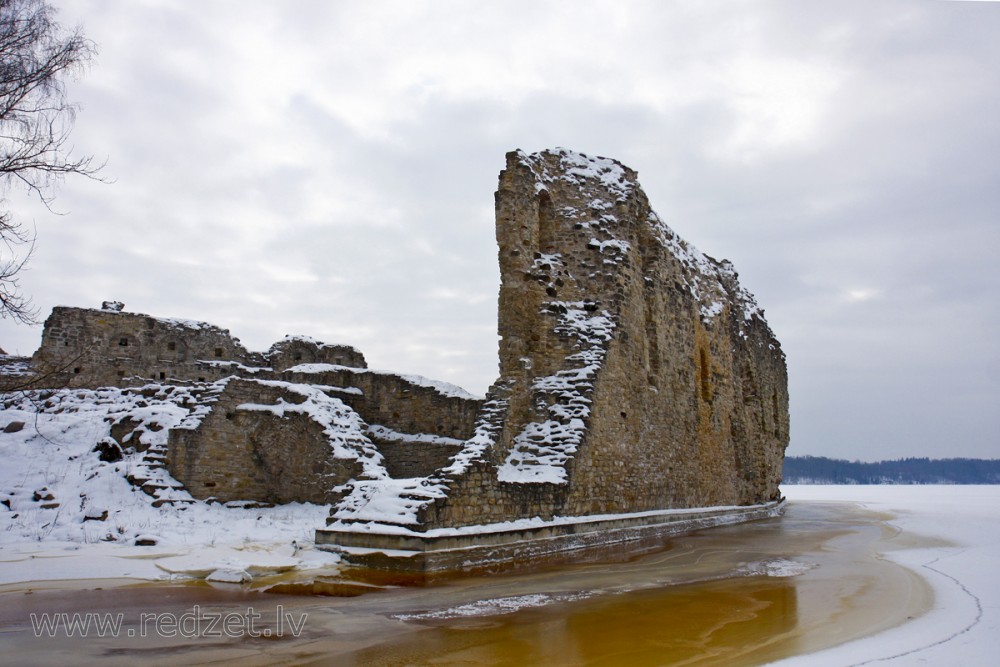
x,y
706,278
318,344
343,427
445,389
542,449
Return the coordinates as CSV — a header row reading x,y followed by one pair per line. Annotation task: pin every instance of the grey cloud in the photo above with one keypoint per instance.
x,y
386,228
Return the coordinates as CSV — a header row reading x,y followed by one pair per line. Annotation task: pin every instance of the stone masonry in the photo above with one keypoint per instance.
x,y
636,376
635,373
293,424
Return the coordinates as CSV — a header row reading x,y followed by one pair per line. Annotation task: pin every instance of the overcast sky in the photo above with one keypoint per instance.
x,y
328,169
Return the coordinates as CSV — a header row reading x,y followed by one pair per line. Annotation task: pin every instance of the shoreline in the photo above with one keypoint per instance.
x,y
945,535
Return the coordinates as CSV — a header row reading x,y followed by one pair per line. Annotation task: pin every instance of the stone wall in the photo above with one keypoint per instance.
x,y
84,347
256,443
414,458
298,350
398,402
239,453
636,374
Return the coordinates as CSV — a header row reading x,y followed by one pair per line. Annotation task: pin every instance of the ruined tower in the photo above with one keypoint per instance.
x,y
636,374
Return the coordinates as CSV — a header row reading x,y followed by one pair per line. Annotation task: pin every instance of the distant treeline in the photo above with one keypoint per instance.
x,y
821,470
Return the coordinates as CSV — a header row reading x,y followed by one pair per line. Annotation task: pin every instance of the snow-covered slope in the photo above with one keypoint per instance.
x,y
57,492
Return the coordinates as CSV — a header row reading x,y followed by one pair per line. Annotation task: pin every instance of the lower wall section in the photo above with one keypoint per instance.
x,y
507,546
412,458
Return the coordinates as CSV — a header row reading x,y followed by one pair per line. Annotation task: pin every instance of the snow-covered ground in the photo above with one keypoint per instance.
x,y
66,514
962,566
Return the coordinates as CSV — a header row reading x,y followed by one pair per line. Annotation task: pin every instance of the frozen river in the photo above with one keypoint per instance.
x,y
821,577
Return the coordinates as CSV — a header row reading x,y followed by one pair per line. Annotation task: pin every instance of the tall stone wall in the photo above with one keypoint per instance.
x,y
635,373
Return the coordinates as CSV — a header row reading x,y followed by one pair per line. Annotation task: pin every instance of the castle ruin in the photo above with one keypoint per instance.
x,y
641,392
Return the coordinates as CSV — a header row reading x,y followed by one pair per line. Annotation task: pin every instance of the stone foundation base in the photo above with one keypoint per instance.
x,y
499,547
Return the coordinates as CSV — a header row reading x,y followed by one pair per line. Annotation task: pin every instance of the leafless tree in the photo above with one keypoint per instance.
x,y
36,54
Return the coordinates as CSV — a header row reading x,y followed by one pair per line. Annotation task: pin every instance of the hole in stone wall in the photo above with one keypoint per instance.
x,y
777,421
209,485
201,379
121,374
218,351
624,415
171,346
123,342
230,415
163,376
76,370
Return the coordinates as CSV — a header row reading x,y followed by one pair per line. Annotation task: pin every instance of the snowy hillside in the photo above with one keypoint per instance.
x,y
66,482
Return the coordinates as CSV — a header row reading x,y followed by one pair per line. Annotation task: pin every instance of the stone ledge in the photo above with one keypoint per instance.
x,y
486,549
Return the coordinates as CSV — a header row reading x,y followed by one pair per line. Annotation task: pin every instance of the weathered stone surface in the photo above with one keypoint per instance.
x,y
635,373
244,439
266,441
506,548
406,404
299,350
609,318
84,347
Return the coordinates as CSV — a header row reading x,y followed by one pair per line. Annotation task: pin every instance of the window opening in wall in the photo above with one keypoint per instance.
x,y
123,342
171,346
121,374
218,351
76,370
201,379
163,376
298,357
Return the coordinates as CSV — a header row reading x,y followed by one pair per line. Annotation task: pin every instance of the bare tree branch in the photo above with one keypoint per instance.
x,y
35,124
